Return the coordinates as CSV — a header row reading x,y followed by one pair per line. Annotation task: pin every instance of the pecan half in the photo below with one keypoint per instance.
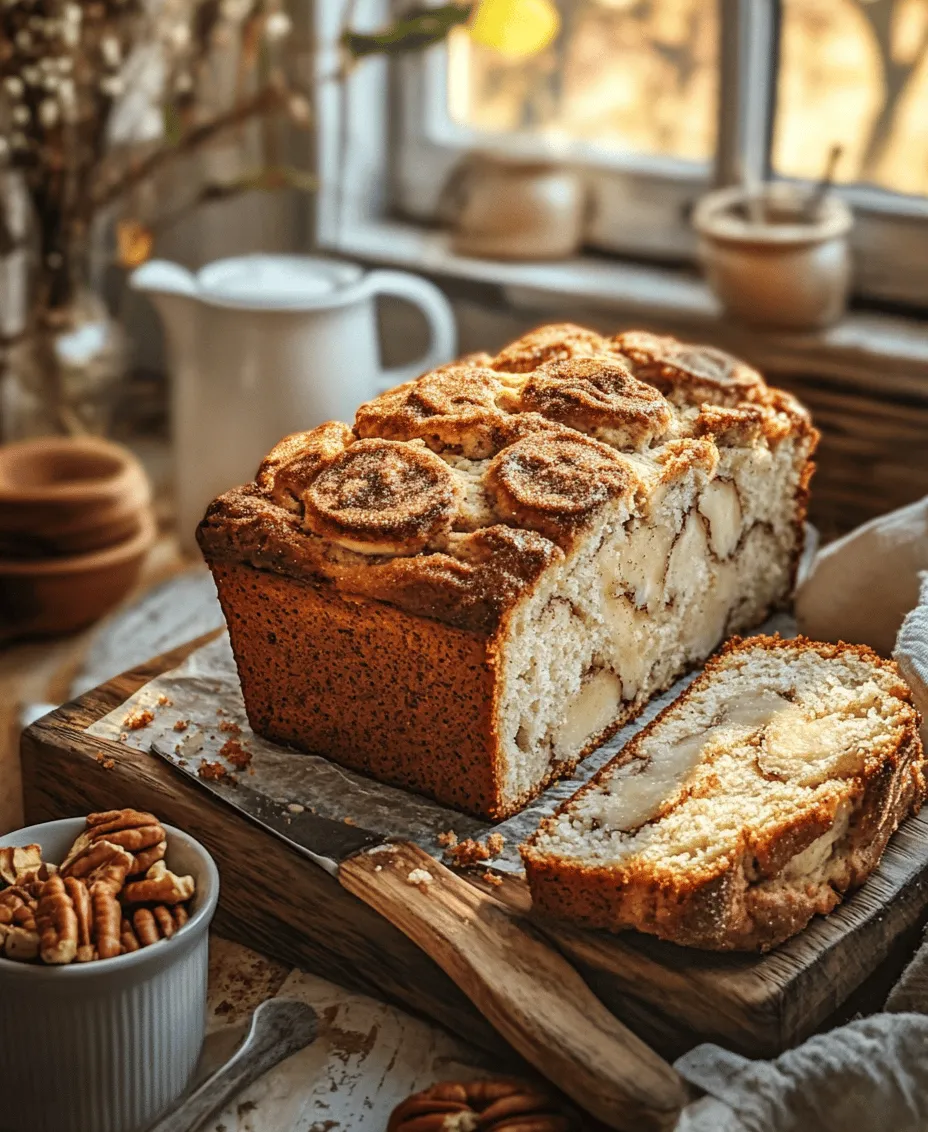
x,y
159,886
80,899
497,1105
101,862
107,920
132,830
56,921
19,864
21,944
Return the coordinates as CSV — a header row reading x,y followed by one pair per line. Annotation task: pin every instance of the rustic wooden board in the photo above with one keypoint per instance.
x,y
277,902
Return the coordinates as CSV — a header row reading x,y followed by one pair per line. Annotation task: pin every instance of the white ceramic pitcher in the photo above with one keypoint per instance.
x,y
263,345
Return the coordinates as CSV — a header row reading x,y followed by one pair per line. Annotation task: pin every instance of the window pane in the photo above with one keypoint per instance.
x,y
632,76
855,72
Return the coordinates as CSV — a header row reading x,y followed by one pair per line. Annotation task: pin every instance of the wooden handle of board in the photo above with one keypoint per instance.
x,y
529,992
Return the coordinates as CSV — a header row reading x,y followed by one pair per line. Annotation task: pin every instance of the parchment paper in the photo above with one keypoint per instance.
x,y
204,694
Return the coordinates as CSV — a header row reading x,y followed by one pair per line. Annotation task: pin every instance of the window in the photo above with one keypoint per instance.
x,y
657,100
635,79
855,72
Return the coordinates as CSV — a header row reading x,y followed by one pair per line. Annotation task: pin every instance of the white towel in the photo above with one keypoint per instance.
x,y
871,587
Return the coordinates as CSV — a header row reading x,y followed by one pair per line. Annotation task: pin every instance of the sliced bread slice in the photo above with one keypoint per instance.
x,y
766,791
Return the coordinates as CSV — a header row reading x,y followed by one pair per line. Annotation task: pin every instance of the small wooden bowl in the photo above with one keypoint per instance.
x,y
63,496
55,596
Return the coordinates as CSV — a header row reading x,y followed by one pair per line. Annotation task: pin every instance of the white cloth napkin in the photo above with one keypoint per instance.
x,y
861,587
870,587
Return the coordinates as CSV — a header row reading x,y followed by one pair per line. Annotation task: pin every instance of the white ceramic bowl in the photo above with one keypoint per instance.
x,y
106,1046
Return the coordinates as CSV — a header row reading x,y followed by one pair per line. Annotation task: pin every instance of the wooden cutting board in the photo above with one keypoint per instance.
x,y
276,901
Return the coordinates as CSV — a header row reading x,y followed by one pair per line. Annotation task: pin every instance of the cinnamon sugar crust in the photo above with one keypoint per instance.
x,y
550,482
382,497
500,435
456,408
298,459
691,374
548,344
598,395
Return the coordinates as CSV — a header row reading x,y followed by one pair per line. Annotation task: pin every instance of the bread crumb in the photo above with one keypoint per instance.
x,y
212,772
230,727
233,751
349,821
163,701
104,760
296,808
136,720
378,868
467,853
448,839
420,878
123,736
492,878
496,843
181,724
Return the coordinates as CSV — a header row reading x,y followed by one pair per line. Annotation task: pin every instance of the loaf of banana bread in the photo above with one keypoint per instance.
x,y
498,564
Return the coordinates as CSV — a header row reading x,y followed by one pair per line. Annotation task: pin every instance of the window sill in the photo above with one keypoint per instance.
x,y
868,348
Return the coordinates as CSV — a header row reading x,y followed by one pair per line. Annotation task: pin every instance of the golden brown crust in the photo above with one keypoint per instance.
x,y
382,497
743,903
548,344
359,672
596,393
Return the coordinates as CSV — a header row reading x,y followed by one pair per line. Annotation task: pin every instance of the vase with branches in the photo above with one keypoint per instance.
x,y
99,99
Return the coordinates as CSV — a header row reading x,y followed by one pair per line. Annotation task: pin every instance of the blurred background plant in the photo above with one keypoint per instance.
x,y
99,100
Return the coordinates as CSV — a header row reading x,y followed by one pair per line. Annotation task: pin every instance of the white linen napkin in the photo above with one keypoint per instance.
x,y
870,587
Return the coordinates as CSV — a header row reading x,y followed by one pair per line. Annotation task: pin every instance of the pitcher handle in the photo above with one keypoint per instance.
x,y
438,312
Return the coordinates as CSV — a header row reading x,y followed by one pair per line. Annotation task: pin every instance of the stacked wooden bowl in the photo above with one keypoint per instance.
x,y
75,527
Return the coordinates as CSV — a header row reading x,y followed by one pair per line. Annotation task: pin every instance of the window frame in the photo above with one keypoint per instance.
x,y
382,153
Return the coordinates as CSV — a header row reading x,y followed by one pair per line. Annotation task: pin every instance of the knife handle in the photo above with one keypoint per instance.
x,y
526,989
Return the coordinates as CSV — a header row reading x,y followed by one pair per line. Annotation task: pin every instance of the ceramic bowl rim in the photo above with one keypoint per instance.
x,y
126,474
91,561
712,224
154,955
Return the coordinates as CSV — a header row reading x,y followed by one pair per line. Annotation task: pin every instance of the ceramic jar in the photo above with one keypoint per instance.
x,y
770,265
502,208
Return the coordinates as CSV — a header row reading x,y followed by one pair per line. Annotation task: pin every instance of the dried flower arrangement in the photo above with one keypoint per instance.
x,y
99,97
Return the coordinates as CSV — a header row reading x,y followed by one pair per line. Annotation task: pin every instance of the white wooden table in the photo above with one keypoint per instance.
x,y
367,1058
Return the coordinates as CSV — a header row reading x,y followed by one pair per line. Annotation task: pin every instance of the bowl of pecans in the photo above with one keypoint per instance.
x,y
103,967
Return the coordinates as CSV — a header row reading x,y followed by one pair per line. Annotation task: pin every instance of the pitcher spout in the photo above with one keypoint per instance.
x,y
175,293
